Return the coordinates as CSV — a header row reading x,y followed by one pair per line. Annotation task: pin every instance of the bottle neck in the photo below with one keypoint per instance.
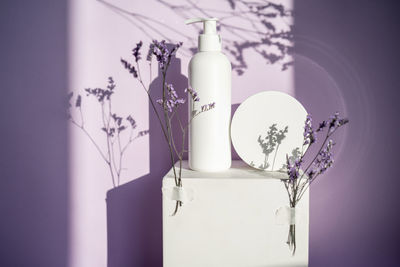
x,y
209,42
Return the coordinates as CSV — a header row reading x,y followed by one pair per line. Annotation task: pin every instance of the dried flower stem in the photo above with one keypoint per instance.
x,y
166,129
305,186
299,181
169,101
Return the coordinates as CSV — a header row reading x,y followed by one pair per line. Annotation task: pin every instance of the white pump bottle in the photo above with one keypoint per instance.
x,y
210,76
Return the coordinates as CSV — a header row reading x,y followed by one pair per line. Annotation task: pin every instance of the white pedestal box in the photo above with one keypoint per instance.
x,y
231,221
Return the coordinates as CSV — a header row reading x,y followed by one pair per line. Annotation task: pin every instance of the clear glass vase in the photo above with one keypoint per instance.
x,y
291,240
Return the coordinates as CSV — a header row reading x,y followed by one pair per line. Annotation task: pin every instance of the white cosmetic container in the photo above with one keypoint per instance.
x,y
210,76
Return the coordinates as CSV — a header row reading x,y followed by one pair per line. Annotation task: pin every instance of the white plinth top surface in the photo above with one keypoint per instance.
x,y
238,170
231,221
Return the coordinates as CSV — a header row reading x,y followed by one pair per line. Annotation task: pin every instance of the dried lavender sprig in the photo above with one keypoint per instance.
x,y
173,100
309,134
322,160
163,54
170,100
163,57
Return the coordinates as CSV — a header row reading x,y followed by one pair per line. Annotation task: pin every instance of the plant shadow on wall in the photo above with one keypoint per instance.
x,y
270,145
113,126
262,27
134,209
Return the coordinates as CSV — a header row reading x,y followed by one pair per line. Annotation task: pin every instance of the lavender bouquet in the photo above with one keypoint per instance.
x,y
169,102
302,175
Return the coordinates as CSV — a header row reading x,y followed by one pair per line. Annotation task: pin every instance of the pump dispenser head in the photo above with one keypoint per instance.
x,y
209,40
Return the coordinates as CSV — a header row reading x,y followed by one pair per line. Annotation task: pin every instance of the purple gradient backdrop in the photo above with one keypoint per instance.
x,y
354,213
353,210
33,138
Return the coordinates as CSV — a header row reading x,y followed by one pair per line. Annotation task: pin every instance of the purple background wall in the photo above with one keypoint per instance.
x,y
353,209
354,215
33,138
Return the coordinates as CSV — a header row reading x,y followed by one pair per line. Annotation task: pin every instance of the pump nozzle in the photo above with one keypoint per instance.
x,y
209,24
209,40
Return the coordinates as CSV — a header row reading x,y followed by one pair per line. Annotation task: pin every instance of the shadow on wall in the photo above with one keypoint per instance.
x,y
134,210
261,27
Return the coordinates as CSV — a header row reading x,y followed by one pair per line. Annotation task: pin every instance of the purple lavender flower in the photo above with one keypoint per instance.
x,y
173,99
321,126
311,173
163,55
136,51
161,52
332,123
293,168
171,91
309,134
296,186
335,122
157,48
324,159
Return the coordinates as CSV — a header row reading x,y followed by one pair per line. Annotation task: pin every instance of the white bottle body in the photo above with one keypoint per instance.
x,y
209,135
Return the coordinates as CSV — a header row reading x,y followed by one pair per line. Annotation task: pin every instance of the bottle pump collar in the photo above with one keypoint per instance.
x,y
209,40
